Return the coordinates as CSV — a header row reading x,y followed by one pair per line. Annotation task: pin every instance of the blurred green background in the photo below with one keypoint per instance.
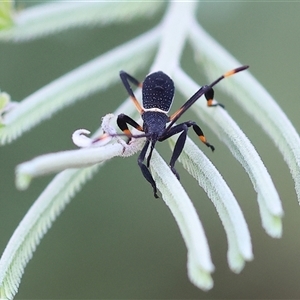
x,y
115,240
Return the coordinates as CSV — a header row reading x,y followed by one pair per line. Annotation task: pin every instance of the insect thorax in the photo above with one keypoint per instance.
x,y
154,122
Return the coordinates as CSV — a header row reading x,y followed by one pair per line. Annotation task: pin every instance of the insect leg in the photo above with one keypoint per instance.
x,y
183,127
204,90
201,136
209,95
145,170
181,140
126,78
122,122
150,153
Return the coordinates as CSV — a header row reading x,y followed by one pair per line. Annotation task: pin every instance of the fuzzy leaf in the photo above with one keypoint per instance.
x,y
252,97
238,236
94,76
240,146
35,224
49,18
199,261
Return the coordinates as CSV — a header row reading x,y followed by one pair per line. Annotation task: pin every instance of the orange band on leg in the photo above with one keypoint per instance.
x,y
127,132
210,102
202,138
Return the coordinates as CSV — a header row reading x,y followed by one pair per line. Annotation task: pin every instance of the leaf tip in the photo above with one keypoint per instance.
x,y
23,178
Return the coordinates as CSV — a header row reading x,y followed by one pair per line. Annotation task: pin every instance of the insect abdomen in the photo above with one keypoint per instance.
x,y
158,91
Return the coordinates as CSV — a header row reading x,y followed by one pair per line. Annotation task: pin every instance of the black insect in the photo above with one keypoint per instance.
x,y
158,93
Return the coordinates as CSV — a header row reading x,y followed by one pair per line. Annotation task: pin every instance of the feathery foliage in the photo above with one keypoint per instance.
x,y
78,166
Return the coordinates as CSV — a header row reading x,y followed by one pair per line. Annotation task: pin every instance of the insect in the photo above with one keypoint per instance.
x,y
157,97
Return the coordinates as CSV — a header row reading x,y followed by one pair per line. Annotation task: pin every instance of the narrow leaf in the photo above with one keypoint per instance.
x,y
49,18
199,261
93,76
35,224
81,158
252,97
238,236
241,148
56,162
39,219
